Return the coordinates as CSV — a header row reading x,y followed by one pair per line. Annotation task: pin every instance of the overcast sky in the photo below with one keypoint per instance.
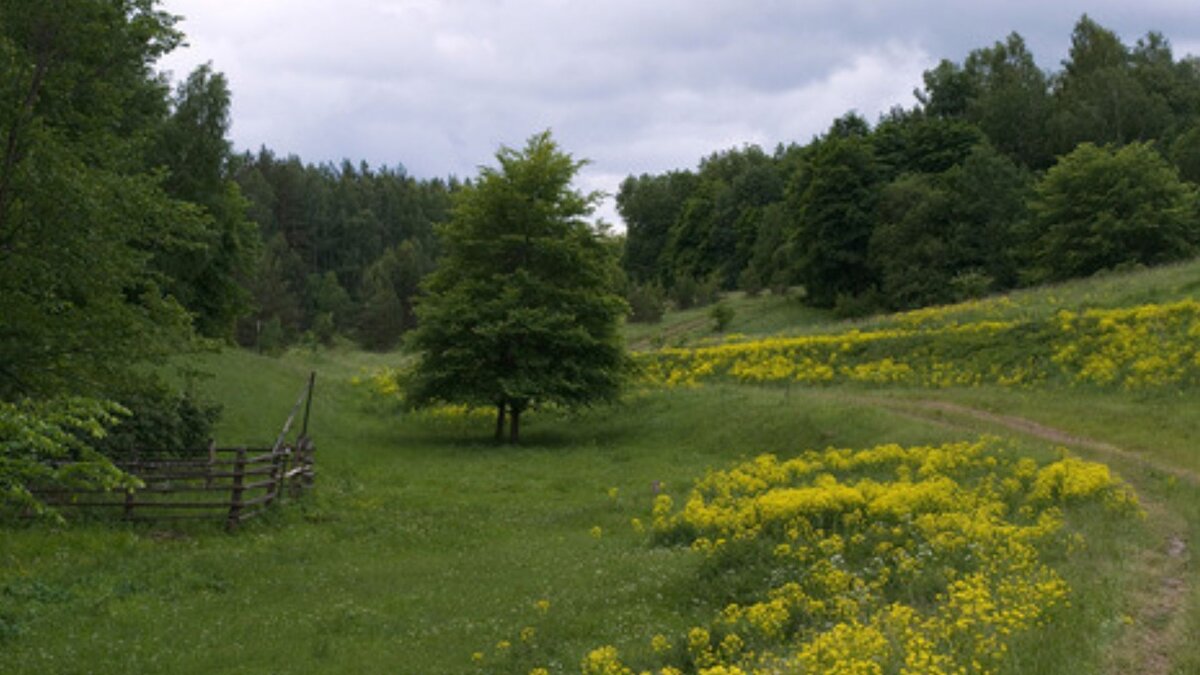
x,y
633,85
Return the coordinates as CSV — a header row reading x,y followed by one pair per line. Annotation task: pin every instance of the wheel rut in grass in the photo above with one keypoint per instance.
x,y
1155,628
1028,427
670,333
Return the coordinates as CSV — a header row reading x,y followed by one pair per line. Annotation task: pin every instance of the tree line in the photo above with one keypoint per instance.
x,y
131,232
1002,175
343,249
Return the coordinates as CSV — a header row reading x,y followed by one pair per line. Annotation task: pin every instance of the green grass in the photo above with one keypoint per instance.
x,y
764,314
424,543
769,314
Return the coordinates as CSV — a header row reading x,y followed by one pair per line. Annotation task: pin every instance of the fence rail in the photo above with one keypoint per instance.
x,y
242,481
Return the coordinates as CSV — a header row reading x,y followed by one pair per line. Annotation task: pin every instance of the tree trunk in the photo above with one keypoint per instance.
x,y
500,422
515,430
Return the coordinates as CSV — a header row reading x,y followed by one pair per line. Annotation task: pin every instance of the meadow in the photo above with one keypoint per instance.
x,y
730,523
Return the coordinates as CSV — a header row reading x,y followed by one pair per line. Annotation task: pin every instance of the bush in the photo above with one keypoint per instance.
x,y
683,293
160,418
750,281
970,285
721,315
856,306
272,339
647,302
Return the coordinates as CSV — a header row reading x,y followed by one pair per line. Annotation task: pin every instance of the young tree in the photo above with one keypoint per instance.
x,y
523,308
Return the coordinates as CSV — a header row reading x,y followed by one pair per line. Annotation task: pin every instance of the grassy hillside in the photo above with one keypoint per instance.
x,y
426,549
769,314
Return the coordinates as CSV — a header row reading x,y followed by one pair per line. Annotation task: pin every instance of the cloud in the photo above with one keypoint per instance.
x,y
635,86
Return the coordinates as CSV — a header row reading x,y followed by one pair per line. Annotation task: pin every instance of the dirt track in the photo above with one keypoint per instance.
x,y
1158,602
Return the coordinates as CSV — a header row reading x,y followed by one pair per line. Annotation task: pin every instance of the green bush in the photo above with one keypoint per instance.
x,y
647,302
721,314
159,418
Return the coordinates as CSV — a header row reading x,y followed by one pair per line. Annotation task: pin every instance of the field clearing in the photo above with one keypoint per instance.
x,y
426,549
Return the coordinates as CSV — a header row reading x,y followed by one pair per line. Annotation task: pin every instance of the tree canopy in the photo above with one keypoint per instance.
x,y
1100,208
522,309
934,203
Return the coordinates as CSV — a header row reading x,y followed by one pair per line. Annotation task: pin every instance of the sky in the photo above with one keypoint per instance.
x,y
633,86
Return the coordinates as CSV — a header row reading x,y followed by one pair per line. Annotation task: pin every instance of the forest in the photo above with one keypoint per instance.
x,y
1004,174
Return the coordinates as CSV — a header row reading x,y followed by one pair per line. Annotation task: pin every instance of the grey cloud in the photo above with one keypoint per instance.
x,y
636,86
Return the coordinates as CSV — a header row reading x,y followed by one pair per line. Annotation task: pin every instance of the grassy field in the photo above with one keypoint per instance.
x,y
426,549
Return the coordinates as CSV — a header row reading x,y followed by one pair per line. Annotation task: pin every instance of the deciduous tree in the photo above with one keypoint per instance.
x,y
523,308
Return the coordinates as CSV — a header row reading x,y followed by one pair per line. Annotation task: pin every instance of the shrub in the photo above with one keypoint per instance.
x,y
721,314
647,302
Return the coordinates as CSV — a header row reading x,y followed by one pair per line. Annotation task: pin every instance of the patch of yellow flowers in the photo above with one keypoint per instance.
x,y
1137,347
384,384
885,560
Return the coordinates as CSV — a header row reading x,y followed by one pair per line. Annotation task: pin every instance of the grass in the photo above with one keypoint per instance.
x,y
763,314
769,314
424,543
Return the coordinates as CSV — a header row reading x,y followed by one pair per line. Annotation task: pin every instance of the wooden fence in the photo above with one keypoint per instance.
x,y
234,484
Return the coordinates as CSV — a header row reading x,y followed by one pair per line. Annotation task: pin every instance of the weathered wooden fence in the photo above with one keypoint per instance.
x,y
234,484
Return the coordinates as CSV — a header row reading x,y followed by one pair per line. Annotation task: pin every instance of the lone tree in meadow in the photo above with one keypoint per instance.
x,y
522,309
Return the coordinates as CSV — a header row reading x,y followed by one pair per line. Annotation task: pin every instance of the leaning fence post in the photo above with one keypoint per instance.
x,y
235,501
312,381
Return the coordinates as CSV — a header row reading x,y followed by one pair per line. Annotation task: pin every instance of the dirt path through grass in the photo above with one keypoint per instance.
x,y
1155,625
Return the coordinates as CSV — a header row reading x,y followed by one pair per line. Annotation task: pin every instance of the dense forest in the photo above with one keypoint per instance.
x,y
342,249
131,231
1002,175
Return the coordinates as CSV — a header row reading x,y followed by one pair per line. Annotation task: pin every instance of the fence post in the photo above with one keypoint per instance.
x,y
212,463
278,470
129,504
308,477
235,501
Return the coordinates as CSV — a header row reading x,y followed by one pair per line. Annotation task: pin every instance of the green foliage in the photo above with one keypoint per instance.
x,y
1102,207
936,228
158,418
835,203
81,216
391,287
688,292
371,228
650,206
721,314
1185,153
647,302
328,302
273,337
207,258
1100,99
522,310
48,444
